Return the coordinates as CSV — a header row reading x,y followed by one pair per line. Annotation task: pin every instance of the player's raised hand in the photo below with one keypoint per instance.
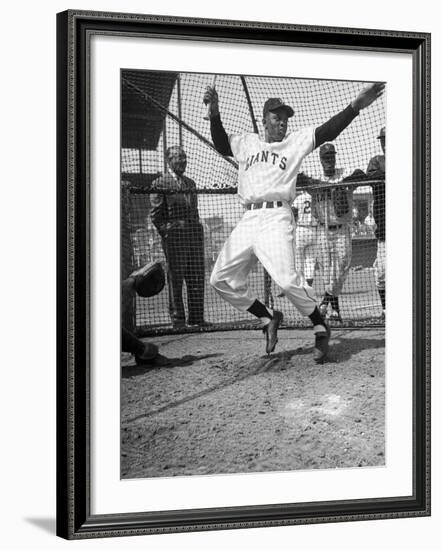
x,y
367,96
211,100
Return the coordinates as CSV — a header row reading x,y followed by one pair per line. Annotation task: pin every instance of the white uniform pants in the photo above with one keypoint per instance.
x,y
379,265
306,250
266,235
334,250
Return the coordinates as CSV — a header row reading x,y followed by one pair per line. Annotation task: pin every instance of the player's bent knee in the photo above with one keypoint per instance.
x,y
287,283
291,282
215,281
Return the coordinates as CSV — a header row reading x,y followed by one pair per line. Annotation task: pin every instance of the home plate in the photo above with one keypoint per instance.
x,y
330,405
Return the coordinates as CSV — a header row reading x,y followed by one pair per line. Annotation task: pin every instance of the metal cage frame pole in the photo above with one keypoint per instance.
x,y
268,297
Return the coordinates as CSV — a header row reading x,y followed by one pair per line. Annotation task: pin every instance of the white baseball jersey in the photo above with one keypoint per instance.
x,y
267,171
303,204
324,199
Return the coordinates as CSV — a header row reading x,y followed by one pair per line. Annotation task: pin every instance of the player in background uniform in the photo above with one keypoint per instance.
x,y
376,170
333,209
145,353
266,187
306,236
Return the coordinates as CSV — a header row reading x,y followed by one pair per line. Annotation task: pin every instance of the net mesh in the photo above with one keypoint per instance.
x,y
164,109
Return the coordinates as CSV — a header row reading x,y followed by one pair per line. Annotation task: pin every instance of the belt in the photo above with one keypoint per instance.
x,y
265,204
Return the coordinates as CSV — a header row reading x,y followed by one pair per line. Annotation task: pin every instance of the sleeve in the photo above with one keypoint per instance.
x,y
194,199
331,129
219,137
304,140
159,212
238,144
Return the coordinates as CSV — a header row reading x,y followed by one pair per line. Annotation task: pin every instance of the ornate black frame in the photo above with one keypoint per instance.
x,y
74,519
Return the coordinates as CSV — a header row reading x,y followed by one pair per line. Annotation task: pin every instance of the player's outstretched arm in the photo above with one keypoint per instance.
x,y
219,135
367,96
331,129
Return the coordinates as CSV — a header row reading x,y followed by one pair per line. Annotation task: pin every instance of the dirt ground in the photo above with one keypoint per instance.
x,y
226,407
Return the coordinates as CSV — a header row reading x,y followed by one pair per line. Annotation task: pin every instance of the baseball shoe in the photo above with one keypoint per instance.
x,y
321,345
335,316
271,331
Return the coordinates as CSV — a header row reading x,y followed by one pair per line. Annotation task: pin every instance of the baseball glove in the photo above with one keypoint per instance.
x,y
149,279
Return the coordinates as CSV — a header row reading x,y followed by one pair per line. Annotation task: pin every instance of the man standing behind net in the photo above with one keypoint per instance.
x,y
333,209
175,215
306,237
267,187
376,171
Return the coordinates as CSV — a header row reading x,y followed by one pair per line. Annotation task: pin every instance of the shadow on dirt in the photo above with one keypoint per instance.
x,y
275,362
173,362
343,349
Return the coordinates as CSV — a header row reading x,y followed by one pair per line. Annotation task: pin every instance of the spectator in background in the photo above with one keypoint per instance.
x,y
175,216
376,171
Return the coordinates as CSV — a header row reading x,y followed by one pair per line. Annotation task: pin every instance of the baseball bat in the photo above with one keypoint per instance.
x,y
212,85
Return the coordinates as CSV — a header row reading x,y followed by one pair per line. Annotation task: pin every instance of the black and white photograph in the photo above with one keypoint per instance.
x,y
243,297
253,274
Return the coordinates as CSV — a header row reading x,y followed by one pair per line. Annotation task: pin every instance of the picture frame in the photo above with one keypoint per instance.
x,y
75,517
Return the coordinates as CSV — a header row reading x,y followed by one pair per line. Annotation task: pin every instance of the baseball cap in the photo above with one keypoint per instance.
x,y
381,133
274,103
327,148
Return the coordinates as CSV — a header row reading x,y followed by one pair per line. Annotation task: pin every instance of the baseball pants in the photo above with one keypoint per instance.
x,y
266,235
379,266
306,250
334,250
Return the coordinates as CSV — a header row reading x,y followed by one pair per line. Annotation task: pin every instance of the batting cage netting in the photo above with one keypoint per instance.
x,y
338,222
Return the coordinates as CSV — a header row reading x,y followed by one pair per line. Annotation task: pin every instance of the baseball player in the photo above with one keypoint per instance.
x,y
333,209
267,187
146,281
305,236
376,170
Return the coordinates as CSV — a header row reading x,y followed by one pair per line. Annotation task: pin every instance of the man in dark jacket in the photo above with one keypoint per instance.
x,y
175,215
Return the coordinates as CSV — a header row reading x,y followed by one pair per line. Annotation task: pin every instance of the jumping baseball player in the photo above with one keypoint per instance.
x,y
267,187
306,236
376,170
333,209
